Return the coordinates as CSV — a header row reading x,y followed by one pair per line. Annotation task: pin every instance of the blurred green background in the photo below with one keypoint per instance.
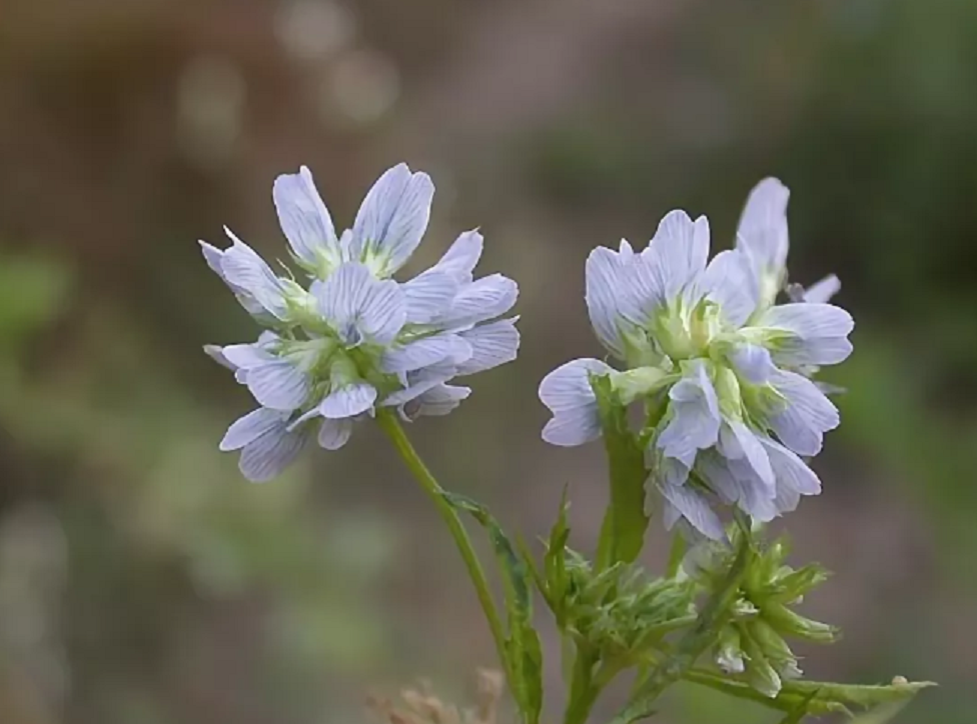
x,y
143,581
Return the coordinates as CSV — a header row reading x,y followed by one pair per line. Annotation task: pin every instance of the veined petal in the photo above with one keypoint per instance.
x,y
216,353
614,293
492,345
250,427
808,321
462,256
279,384
805,416
737,483
267,456
694,507
429,295
439,400
790,470
567,392
348,401
762,231
241,267
359,305
304,218
483,299
753,363
738,442
213,256
392,219
695,419
731,282
822,291
333,434
247,356
425,352
797,352
419,382
678,252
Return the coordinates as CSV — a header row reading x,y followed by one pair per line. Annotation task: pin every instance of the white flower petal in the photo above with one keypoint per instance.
x,y
492,345
304,218
242,267
213,256
247,356
614,293
439,400
809,321
695,508
798,352
279,384
425,352
266,457
333,434
678,252
753,363
216,353
806,415
462,256
762,230
793,475
730,282
250,427
348,401
430,294
567,392
570,428
392,219
483,299
359,305
420,382
737,441
822,291
695,420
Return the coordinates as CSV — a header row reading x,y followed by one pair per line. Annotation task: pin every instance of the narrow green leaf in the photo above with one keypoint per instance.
x,y
623,531
857,695
524,657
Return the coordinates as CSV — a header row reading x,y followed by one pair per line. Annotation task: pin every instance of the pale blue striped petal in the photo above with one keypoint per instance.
x,y
762,230
790,470
822,291
333,434
731,282
419,382
567,392
348,401
267,456
425,352
439,400
613,293
392,219
753,363
250,427
304,218
678,252
359,306
694,507
246,356
279,384
429,295
695,420
492,345
809,321
805,415
242,267
462,256
481,300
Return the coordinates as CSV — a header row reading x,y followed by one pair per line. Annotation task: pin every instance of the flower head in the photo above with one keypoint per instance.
x,y
354,338
722,370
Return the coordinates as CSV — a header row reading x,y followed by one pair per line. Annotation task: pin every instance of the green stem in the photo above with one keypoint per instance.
x,y
675,555
391,425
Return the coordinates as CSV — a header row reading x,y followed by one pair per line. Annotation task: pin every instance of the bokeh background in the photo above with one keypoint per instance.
x,y
143,581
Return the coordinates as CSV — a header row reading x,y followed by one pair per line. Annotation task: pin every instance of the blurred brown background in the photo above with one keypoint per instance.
x,y
143,581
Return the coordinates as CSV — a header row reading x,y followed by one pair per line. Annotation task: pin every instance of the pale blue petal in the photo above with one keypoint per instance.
x,y
753,363
695,420
462,256
425,352
359,306
737,483
492,345
280,385
567,392
393,218
481,300
790,470
247,356
249,428
822,291
348,401
213,256
421,381
216,353
737,441
430,294
439,400
678,252
695,508
613,292
333,434
806,414
797,352
304,218
762,230
731,282
266,457
809,321
243,268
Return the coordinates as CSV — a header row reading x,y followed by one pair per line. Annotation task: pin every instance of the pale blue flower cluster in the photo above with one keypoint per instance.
x,y
355,339
724,372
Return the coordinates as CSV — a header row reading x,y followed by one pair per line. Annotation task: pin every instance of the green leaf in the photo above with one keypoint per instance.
x,y
861,696
800,711
524,656
623,531
554,565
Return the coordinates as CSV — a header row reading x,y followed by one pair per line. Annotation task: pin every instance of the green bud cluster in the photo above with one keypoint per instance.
x,y
753,645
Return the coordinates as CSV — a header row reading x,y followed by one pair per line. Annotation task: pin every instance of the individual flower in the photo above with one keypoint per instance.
x,y
721,369
354,339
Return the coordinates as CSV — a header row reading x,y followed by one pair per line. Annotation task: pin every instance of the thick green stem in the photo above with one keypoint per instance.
x,y
391,425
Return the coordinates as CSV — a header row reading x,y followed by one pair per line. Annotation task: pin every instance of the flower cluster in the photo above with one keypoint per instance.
x,y
354,339
722,369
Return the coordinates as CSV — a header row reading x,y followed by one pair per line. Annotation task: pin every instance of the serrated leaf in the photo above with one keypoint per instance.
x,y
623,531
